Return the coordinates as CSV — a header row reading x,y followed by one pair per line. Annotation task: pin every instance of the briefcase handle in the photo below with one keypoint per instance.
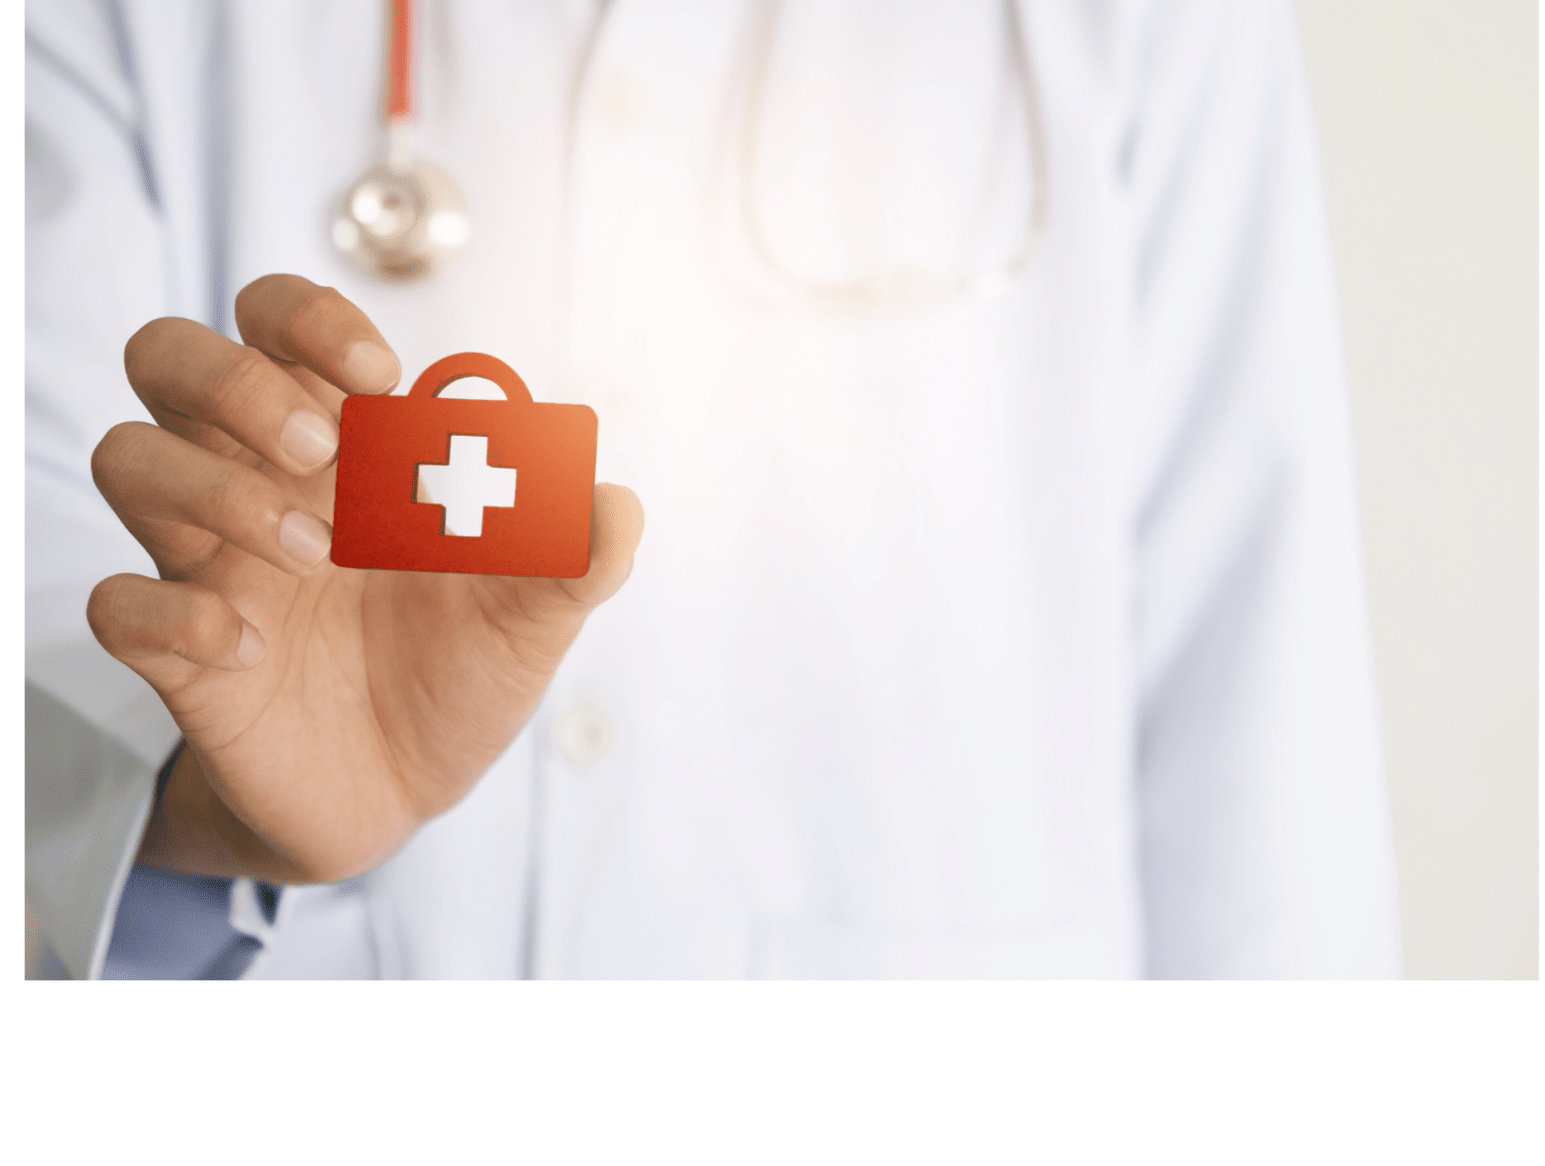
x,y
471,364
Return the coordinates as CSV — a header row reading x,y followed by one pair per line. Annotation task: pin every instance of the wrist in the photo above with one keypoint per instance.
x,y
192,831
180,835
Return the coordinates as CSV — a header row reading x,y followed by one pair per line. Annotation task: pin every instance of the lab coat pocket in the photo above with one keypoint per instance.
x,y
1063,949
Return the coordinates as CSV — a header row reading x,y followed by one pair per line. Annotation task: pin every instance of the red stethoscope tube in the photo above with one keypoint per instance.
x,y
399,61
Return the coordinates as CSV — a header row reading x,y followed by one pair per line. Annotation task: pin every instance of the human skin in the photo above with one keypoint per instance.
x,y
328,712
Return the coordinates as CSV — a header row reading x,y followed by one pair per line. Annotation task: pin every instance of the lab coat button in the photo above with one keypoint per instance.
x,y
585,735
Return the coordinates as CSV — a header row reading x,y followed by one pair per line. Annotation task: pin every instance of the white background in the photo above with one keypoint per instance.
x,y
1427,113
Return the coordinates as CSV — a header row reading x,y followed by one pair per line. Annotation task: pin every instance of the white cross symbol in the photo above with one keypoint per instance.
x,y
465,485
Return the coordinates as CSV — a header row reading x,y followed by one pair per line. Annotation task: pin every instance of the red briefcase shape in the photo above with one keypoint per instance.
x,y
384,440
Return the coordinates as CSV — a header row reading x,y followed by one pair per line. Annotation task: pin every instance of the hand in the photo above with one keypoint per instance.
x,y
328,712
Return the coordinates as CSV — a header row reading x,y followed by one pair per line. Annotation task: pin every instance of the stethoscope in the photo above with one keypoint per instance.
x,y
902,286
405,219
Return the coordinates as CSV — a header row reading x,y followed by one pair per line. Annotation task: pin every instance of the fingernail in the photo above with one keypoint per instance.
x,y
372,368
251,648
304,539
309,438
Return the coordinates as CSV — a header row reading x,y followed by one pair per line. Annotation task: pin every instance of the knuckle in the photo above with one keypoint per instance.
x,y
241,382
255,288
249,299
229,502
104,607
116,452
261,284
147,341
204,629
314,310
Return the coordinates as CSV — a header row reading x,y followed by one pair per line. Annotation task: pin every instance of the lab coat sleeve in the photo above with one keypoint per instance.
x,y
184,927
1265,843
95,733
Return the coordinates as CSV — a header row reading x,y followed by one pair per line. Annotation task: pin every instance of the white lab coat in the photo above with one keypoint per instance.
x,y
1019,636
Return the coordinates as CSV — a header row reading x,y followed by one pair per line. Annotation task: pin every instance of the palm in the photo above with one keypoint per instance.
x,y
382,696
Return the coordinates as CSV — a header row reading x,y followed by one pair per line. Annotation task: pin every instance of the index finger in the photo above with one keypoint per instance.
x,y
292,319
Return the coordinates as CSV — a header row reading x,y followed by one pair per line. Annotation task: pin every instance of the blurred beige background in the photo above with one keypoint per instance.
x,y
1428,120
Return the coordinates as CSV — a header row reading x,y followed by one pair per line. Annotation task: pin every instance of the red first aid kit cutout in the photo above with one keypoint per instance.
x,y
546,452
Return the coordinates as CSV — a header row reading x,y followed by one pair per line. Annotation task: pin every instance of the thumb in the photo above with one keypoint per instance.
x,y
616,526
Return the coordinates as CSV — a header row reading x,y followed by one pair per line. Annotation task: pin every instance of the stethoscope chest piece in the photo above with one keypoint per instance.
x,y
403,222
